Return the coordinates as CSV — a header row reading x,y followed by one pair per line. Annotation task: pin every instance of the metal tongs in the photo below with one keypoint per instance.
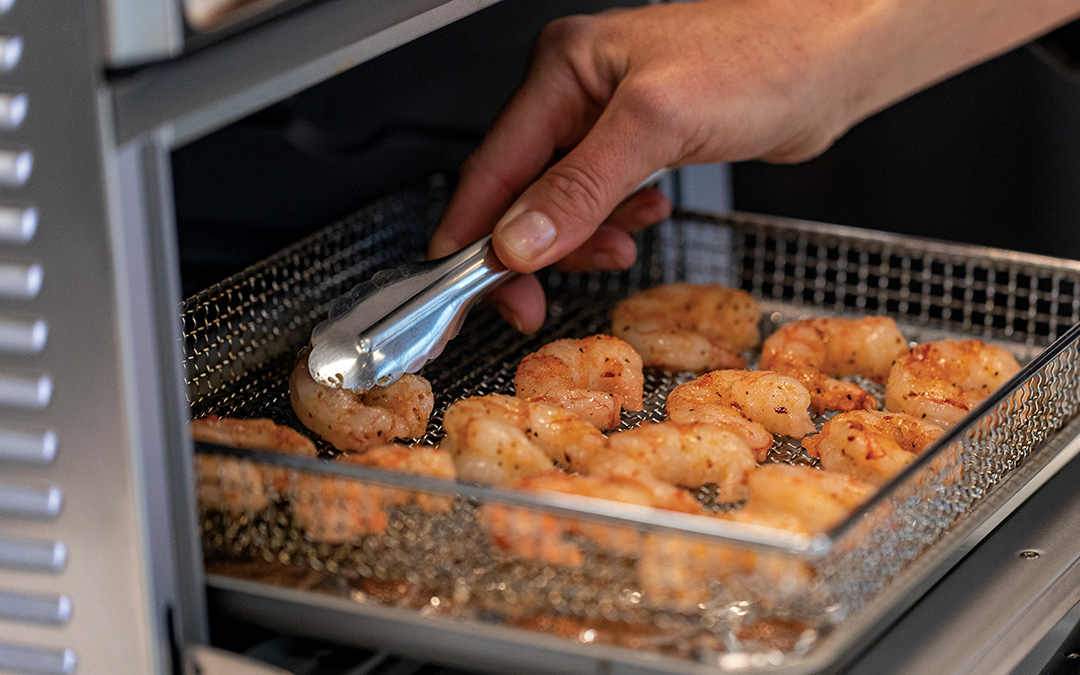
x,y
403,317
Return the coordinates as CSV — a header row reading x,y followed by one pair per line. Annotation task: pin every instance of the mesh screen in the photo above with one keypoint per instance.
x,y
446,550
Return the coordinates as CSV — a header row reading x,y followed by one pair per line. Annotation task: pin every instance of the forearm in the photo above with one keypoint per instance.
x,y
611,98
903,46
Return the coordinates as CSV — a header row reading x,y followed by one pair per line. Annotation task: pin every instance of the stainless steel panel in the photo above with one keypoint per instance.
x,y
992,609
226,81
137,31
108,280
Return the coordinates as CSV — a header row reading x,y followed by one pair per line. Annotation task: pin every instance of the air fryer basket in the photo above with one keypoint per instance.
x,y
691,592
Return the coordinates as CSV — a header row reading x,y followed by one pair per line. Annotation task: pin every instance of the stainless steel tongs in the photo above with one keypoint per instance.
x,y
403,317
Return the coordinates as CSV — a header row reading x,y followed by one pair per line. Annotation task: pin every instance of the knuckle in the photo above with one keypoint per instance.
x,y
651,103
568,33
579,194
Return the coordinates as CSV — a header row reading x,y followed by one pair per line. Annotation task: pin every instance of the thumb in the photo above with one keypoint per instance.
x,y
565,206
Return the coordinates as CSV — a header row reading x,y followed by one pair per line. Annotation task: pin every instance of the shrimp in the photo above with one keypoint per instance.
x,y
800,498
689,327
235,485
870,445
815,351
753,404
942,381
253,434
546,536
685,454
336,509
596,377
354,421
501,439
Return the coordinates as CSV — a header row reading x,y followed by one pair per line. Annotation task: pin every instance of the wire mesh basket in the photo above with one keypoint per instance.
x,y
693,591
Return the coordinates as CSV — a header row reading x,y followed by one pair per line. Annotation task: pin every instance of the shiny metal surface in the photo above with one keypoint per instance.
x,y
32,555
37,608
401,318
30,446
204,660
18,224
995,606
228,80
84,413
37,660
902,545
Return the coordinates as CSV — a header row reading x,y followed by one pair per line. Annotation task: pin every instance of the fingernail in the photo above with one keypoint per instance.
x,y
528,235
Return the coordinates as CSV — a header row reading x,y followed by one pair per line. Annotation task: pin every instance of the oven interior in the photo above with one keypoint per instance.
x,y
260,184
152,182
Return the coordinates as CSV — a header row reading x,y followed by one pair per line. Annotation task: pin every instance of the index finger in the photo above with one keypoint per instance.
x,y
547,112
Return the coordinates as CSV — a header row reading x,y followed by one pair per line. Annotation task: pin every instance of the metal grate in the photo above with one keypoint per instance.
x,y
712,592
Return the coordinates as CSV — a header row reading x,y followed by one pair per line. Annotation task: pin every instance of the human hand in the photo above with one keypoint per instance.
x,y
611,98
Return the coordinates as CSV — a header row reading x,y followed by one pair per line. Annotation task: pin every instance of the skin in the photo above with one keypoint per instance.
x,y
611,98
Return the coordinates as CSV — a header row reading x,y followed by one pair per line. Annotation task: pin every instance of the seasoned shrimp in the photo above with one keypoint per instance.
x,y
354,421
800,498
870,445
234,485
596,377
753,404
689,327
335,509
685,454
545,536
942,381
796,499
253,434
816,351
501,439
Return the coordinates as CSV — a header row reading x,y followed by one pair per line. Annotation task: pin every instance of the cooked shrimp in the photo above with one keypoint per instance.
x,y
816,351
870,445
252,434
942,381
354,421
335,509
753,404
421,460
795,499
685,454
233,484
800,498
689,327
546,536
596,377
501,439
